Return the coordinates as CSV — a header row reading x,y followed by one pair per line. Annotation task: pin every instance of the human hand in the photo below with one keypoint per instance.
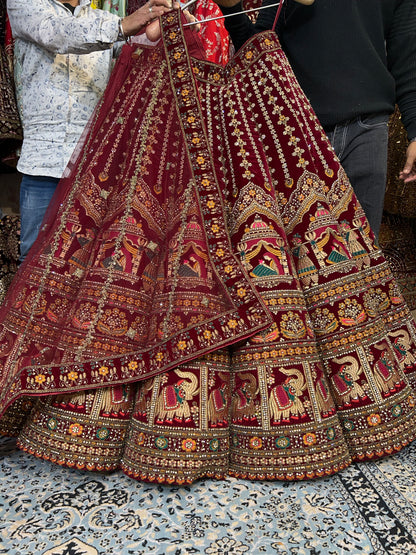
x,y
150,11
408,173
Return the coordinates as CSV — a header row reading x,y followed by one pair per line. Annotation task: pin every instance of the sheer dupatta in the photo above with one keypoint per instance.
x,y
125,273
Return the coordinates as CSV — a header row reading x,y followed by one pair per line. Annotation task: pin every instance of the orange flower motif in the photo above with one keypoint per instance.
x,y
206,182
200,160
181,345
232,324
133,364
40,378
103,370
159,356
309,439
72,376
189,445
241,292
75,429
374,419
211,204
256,443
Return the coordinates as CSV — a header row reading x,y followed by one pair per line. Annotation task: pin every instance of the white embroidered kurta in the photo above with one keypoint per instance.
x,y
62,65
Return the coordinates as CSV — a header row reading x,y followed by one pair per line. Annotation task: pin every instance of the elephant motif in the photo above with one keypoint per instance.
x,y
116,400
173,400
345,381
384,373
218,405
284,400
401,346
142,399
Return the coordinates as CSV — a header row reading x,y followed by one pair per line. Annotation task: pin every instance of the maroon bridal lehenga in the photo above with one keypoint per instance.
x,y
205,297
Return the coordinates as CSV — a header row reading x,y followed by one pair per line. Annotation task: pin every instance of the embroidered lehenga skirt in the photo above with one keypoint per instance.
x,y
10,125
205,297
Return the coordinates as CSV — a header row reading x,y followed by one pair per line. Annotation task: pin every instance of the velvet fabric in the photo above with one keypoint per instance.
x,y
205,296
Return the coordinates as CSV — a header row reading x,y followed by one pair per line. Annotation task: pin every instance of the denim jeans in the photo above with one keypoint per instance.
x,y
361,146
35,195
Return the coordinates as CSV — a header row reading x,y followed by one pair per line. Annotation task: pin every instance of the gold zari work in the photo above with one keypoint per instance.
x,y
208,298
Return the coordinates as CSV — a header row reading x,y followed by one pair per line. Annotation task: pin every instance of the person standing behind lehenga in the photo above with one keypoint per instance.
x,y
354,60
63,59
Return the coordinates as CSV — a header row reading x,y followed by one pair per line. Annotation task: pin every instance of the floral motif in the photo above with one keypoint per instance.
x,y
226,545
103,370
189,445
52,424
309,439
214,444
256,443
373,419
75,429
330,433
396,410
102,433
161,442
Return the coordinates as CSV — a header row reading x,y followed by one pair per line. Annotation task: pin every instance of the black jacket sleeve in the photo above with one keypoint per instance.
x,y
401,58
240,26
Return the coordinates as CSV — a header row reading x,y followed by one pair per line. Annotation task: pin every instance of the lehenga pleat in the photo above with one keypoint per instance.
x,y
206,297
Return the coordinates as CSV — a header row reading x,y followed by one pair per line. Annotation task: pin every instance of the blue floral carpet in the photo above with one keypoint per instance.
x,y
369,508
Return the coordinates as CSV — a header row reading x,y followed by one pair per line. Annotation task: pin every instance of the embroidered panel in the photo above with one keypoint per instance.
x,y
209,260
